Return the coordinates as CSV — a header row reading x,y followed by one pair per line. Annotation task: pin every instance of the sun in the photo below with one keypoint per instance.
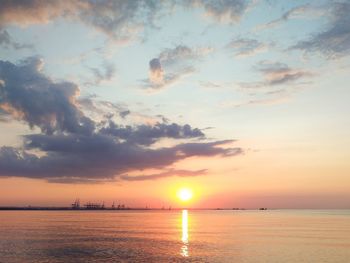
x,y
185,194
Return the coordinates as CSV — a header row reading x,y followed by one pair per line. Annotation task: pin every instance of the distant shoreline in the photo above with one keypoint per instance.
x,y
33,208
39,208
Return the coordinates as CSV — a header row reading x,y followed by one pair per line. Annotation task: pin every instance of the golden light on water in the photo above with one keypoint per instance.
x,y
184,239
185,194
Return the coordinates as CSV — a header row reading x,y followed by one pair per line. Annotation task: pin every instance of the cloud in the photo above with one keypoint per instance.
x,y
147,134
34,11
172,65
124,113
169,173
279,73
168,79
7,41
226,11
28,95
303,11
105,73
277,85
120,20
73,147
96,157
246,47
94,107
334,41
267,100
156,71
275,74
181,54
213,85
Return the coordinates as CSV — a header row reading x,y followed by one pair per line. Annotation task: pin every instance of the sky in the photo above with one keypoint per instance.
x,y
246,103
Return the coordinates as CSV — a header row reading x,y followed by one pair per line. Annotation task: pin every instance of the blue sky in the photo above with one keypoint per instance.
x,y
272,76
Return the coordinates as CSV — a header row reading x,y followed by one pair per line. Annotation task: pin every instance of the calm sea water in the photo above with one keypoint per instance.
x,y
175,236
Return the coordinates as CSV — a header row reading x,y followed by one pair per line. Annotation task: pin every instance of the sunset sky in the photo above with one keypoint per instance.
x,y
246,103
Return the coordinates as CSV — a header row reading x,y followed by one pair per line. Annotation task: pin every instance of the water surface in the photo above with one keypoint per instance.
x,y
175,236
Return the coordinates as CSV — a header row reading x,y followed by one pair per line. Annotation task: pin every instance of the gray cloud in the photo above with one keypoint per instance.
x,y
222,10
168,79
171,56
74,148
275,74
246,46
295,12
92,106
169,173
270,99
147,134
7,41
279,73
334,41
29,95
156,71
104,73
124,113
120,20
182,54
96,157
173,64
278,83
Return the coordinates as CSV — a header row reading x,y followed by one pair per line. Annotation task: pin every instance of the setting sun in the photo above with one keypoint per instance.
x,y
185,194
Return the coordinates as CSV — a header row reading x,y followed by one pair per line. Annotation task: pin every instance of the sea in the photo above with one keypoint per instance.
x,y
175,236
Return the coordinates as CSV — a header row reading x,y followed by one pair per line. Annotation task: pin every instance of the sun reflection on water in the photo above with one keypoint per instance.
x,y
184,239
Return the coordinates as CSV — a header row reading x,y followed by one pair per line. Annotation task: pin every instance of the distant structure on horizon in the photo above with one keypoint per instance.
x,y
76,204
90,205
96,206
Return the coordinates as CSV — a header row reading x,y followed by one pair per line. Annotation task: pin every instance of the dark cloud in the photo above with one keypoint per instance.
x,y
96,157
74,148
246,46
334,41
147,134
28,95
169,173
124,113
163,118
